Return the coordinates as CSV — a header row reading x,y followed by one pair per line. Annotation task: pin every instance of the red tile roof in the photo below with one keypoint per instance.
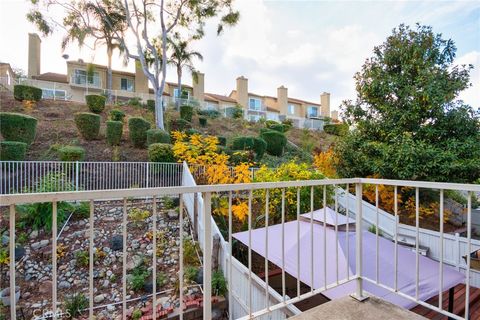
x,y
53,77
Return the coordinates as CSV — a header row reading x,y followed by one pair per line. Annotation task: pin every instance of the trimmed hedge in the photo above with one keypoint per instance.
x,y
257,145
222,141
12,150
276,142
336,129
95,103
160,152
21,92
117,115
88,124
151,105
18,127
186,113
114,132
137,128
213,114
179,125
202,121
72,153
157,136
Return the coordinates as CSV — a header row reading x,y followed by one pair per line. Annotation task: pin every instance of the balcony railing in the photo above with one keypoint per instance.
x,y
86,81
249,296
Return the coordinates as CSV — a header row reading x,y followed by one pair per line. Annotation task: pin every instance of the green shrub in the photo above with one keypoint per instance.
x,y
192,131
222,141
114,132
157,136
242,156
21,92
117,115
88,124
336,129
257,145
160,152
276,126
212,114
151,105
18,127
237,112
95,103
39,215
75,304
72,153
179,125
135,102
138,128
12,150
202,121
219,285
138,278
276,142
186,113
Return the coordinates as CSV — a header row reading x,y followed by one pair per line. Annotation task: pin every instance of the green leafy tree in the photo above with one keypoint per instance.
x,y
408,123
182,57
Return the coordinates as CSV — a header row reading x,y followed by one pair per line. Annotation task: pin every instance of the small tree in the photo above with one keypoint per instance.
x,y
407,122
181,58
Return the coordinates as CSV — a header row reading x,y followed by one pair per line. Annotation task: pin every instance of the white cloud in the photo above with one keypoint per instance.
x,y
471,96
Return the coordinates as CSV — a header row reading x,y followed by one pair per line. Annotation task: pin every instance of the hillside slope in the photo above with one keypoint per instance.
x,y
56,128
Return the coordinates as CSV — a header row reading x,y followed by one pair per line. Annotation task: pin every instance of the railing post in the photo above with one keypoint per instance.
x,y
207,256
358,295
147,174
77,166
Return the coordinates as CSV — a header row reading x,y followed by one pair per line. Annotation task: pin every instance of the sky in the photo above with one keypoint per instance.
x,y
307,46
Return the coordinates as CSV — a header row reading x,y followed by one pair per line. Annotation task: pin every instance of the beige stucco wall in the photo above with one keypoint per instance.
x,y
199,86
34,54
242,92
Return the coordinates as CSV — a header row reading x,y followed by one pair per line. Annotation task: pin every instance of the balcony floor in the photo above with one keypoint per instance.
x,y
348,308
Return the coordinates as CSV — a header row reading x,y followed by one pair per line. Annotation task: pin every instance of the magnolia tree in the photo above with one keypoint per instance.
x,y
149,23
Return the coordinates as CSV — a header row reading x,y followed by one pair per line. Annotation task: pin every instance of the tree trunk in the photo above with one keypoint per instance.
x,y
179,75
109,74
159,108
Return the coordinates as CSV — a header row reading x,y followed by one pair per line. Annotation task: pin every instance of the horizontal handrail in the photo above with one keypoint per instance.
x,y
140,192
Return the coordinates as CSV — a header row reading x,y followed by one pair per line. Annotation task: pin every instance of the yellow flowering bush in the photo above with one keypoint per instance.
x,y
202,152
326,162
290,171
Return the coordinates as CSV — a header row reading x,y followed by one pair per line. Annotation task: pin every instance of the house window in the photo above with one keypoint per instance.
x,y
185,94
127,84
54,94
291,109
81,77
312,112
254,104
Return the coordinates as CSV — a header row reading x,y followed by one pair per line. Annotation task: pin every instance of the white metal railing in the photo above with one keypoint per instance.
x,y
33,176
249,193
93,81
